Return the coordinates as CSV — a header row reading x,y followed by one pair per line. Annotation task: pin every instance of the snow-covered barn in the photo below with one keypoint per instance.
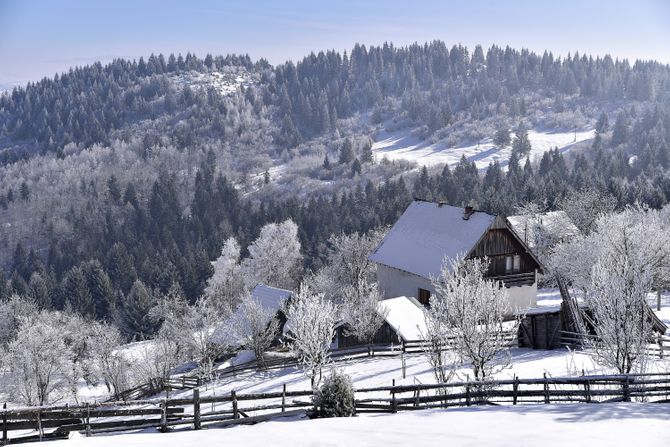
x,y
404,320
273,299
429,233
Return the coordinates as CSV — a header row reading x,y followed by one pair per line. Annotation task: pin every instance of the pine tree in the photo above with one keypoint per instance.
x,y
366,154
521,144
356,167
602,125
502,137
133,316
346,152
326,163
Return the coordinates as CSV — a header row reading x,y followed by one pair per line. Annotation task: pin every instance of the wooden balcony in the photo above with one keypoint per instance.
x,y
516,279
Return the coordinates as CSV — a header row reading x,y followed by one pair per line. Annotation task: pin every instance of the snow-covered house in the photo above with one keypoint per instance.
x,y
429,233
273,299
404,321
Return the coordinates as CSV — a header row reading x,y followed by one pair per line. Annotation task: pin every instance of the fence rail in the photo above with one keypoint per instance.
x,y
234,409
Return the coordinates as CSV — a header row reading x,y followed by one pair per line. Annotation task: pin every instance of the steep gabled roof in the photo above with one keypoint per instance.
x,y
426,234
270,297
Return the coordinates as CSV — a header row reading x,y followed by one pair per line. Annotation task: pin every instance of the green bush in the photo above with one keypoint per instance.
x,y
335,398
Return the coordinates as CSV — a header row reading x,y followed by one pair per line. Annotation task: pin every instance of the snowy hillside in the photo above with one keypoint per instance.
x,y
402,145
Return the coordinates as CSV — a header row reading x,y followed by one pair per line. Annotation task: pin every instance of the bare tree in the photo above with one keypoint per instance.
x,y
311,320
255,327
437,348
473,309
361,311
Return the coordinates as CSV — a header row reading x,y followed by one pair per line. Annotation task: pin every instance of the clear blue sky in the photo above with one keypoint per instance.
x,y
41,37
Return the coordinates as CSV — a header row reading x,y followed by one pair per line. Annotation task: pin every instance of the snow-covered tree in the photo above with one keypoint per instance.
x,y
12,312
254,327
585,207
617,297
107,359
274,257
227,283
473,309
437,337
202,343
39,361
347,264
311,320
361,313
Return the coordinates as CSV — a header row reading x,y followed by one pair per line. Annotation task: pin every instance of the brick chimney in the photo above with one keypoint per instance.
x,y
467,212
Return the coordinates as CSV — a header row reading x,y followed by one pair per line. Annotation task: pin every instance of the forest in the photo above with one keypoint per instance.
x,y
121,183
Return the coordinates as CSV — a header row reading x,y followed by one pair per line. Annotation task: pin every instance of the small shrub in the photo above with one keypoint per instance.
x,y
335,398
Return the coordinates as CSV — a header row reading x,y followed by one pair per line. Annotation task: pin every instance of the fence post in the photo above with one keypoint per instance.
x,y
546,389
467,394
196,409
404,366
626,390
88,420
283,398
660,346
233,396
587,391
394,405
39,424
164,406
4,424
515,390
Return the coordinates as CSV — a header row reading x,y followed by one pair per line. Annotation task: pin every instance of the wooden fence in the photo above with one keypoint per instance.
x,y
37,423
657,347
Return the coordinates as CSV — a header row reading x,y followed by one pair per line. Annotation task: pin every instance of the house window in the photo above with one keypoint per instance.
x,y
513,263
424,296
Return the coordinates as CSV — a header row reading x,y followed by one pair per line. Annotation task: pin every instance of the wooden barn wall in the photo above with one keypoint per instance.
x,y
385,335
498,243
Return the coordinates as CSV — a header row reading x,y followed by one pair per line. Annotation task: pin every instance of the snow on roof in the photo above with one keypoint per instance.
x,y
555,226
270,297
406,316
426,234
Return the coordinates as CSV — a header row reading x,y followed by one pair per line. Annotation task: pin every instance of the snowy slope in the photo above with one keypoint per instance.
x,y
547,425
225,82
402,145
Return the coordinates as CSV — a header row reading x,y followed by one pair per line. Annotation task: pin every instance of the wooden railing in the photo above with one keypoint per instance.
x,y
234,409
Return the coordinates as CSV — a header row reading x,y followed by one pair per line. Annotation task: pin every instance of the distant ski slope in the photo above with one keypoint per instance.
x,y
402,145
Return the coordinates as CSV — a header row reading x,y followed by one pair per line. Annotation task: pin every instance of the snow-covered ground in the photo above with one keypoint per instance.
x,y
402,145
546,425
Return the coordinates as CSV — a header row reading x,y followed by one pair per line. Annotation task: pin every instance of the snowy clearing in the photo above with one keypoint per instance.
x,y
402,145
548,425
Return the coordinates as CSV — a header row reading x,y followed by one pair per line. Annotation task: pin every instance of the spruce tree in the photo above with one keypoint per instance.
x,y
346,152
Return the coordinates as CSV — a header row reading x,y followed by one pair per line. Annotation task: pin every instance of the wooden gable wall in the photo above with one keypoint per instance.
x,y
498,243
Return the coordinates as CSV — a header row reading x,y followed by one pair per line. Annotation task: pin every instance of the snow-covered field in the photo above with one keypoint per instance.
x,y
546,425
402,145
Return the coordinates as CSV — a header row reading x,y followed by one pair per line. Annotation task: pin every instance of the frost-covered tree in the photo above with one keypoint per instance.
x,y
473,309
107,360
202,342
521,144
584,207
347,264
39,361
617,297
274,257
502,137
311,320
361,312
12,313
254,327
437,336
133,316
227,282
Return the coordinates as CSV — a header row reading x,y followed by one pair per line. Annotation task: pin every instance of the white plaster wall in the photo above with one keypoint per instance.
x,y
393,282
